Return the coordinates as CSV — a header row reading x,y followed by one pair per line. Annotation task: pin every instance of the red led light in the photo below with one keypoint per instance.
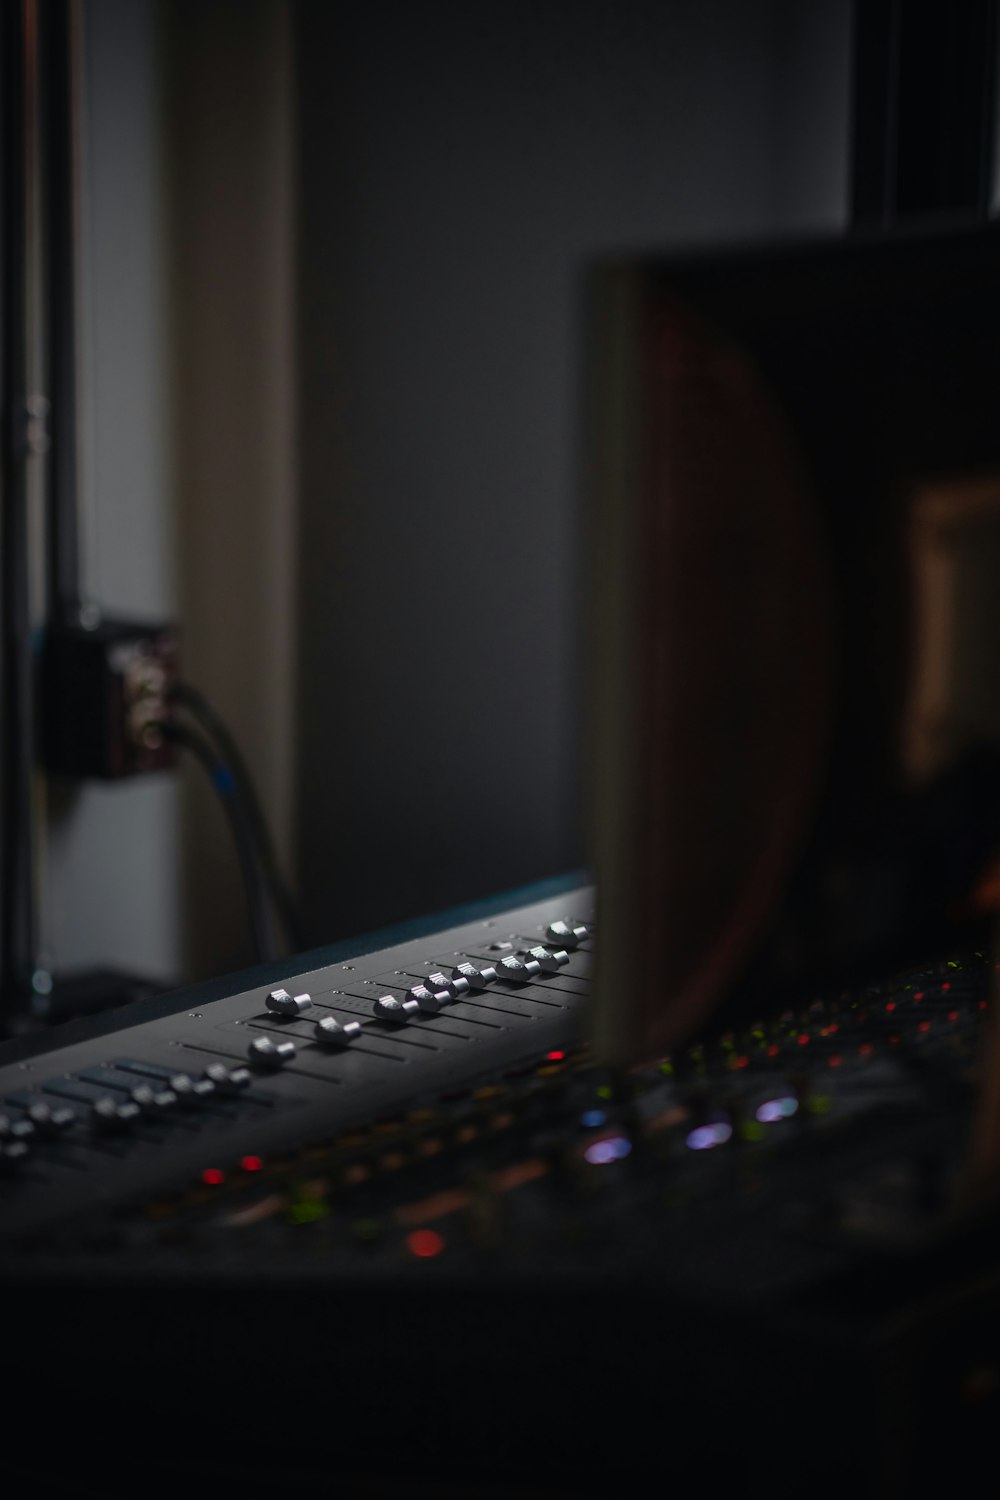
x,y
946,986
555,1056
251,1163
803,1040
212,1176
866,1049
924,1026
741,1062
834,1061
425,1243
892,1005
919,995
773,1050
953,1015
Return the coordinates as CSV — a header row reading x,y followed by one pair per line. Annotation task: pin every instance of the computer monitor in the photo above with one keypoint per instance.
x,y
795,634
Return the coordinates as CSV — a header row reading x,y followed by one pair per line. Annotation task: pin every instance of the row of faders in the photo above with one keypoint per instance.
x,y
512,966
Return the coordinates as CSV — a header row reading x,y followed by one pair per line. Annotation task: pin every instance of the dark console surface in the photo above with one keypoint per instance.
x,y
394,1196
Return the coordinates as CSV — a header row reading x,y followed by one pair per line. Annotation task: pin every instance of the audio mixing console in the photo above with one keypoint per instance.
x,y
382,1213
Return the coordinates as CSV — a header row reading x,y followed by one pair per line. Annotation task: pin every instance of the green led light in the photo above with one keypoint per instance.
x,y
307,1212
667,1068
952,964
751,1131
604,1092
818,1104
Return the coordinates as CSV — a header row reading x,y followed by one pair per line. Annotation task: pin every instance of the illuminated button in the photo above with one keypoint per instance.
x,y
428,1000
455,986
333,1033
476,976
397,1012
551,960
285,1004
518,970
565,936
265,1053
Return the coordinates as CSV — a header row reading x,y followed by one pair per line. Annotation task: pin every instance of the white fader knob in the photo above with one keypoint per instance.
x,y
267,1054
284,1004
550,960
333,1033
566,936
398,1012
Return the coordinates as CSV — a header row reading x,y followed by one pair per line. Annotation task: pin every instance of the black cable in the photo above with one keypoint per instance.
x,y
224,783
185,696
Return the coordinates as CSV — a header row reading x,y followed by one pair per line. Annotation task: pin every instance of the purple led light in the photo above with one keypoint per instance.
x,y
773,1110
707,1136
613,1148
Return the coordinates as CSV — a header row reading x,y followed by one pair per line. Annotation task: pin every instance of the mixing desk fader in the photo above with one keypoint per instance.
x,y
381,1214
150,1100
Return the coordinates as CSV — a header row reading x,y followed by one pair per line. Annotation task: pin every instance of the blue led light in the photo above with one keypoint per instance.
x,y
773,1110
613,1148
591,1118
706,1136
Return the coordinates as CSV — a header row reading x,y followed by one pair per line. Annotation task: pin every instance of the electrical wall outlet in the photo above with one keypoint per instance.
x,y
104,697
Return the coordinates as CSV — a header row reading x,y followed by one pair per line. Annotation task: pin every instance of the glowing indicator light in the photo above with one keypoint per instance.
x,y
866,1049
773,1110
953,1015
425,1243
892,1004
555,1056
707,1136
946,986
307,1212
613,1148
741,1062
924,1026
591,1118
212,1176
803,1040
919,995
834,1062
773,1050
251,1163
604,1092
